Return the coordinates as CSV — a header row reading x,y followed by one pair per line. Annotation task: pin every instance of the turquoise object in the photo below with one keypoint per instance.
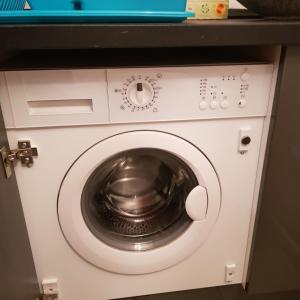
x,y
89,16
111,5
93,11
12,5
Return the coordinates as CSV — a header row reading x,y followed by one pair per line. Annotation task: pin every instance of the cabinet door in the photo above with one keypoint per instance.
x,y
275,264
18,279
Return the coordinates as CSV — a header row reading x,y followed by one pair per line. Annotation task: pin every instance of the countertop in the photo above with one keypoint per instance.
x,y
98,45
233,32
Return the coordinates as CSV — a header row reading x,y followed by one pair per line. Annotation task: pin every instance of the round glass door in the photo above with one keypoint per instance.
x,y
129,207
135,200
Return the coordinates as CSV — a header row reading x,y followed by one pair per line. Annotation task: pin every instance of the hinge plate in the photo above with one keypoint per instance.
x,y
48,297
24,153
6,164
50,289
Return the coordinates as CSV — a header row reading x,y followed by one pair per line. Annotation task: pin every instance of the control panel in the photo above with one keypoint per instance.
x,y
145,94
83,97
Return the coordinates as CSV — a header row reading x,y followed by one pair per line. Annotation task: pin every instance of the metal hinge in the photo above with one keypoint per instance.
x,y
24,154
48,297
50,289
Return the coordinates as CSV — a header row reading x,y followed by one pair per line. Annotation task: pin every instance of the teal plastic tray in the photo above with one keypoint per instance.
x,y
12,4
89,16
110,5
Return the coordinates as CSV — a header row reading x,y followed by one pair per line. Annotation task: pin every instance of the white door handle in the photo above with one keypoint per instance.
x,y
196,203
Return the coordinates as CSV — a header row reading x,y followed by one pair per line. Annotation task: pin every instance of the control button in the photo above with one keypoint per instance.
x,y
246,140
245,76
214,104
242,103
225,104
203,105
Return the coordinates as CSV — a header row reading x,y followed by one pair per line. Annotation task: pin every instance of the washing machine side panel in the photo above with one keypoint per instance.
x,y
78,279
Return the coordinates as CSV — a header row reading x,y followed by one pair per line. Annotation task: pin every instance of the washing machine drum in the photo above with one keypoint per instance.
x,y
141,208
135,200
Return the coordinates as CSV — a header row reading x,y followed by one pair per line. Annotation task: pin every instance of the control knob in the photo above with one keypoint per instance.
x,y
140,93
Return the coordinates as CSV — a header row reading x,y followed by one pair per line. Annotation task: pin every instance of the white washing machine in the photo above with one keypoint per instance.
x,y
145,179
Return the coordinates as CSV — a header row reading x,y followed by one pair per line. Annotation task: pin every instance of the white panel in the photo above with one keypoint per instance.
x,y
78,279
60,97
276,55
182,93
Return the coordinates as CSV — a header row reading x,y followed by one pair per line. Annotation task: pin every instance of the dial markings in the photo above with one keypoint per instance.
x,y
140,93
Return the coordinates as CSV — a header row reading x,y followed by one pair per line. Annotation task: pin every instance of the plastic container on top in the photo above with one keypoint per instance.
x,y
92,11
110,5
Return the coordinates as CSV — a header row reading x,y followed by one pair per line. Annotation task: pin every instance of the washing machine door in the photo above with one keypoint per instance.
x,y
139,202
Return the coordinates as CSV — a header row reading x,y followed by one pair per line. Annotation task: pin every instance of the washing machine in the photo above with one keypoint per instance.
x,y
143,179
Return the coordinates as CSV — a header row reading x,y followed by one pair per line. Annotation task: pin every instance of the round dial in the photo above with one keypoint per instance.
x,y
140,93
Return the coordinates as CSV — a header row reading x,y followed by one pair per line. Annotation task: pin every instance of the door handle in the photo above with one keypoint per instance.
x,y
196,203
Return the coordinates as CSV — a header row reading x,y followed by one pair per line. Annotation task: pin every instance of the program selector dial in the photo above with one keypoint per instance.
x,y
141,93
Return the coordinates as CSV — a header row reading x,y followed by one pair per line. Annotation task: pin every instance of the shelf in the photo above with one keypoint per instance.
x,y
232,32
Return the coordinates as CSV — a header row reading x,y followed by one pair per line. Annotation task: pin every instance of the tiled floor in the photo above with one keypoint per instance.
x,y
234,292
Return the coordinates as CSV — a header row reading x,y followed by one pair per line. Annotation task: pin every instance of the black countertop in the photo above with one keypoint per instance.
x,y
233,32
43,46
